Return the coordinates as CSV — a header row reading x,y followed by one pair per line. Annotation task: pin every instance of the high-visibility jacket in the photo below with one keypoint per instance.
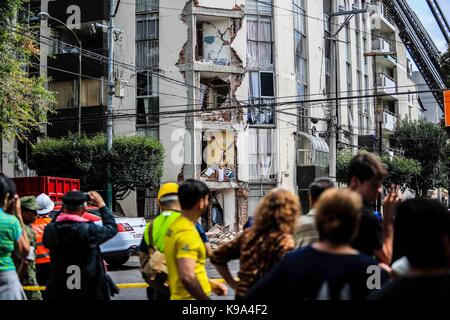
x,y
159,228
42,253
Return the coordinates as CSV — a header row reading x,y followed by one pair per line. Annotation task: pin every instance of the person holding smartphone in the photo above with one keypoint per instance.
x,y
12,238
74,244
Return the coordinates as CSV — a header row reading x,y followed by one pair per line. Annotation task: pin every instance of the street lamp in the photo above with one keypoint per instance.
x,y
45,16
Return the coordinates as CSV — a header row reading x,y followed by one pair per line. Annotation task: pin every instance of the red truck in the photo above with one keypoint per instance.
x,y
54,187
130,230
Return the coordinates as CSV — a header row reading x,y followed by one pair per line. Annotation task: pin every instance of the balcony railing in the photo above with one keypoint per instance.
x,y
386,84
384,11
389,120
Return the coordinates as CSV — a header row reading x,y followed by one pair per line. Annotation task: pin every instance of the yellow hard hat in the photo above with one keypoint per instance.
x,y
170,188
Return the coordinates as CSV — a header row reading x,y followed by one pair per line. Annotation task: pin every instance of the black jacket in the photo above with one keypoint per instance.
x,y
75,250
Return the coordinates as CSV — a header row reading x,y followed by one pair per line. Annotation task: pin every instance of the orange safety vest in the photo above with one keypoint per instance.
x,y
42,253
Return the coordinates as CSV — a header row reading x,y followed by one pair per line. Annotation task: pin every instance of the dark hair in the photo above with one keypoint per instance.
x,y
190,192
365,166
420,226
7,185
338,212
318,186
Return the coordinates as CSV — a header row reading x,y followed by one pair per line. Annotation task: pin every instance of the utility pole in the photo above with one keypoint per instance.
x,y
334,123
109,123
111,32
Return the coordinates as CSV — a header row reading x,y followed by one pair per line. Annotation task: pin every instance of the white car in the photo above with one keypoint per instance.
x,y
118,250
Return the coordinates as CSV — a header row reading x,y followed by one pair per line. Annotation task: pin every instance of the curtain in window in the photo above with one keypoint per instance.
x,y
253,154
252,44
265,157
265,46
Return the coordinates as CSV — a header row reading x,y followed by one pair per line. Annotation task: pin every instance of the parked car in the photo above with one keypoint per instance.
x,y
118,250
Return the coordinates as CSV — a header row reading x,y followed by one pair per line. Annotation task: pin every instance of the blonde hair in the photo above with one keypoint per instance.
x,y
278,210
338,212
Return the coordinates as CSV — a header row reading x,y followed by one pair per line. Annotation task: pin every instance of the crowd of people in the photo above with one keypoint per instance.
x,y
59,253
339,250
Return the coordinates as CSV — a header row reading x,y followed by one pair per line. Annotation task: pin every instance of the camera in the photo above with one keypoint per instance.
x,y
88,197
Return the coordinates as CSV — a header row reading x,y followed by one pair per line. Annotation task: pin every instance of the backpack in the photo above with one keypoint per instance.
x,y
153,266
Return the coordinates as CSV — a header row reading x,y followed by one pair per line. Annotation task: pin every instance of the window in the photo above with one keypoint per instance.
x,y
348,47
147,102
66,92
147,44
261,93
261,154
147,5
262,7
259,43
300,59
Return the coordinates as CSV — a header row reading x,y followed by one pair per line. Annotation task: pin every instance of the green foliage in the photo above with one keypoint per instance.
x,y
343,159
426,143
445,65
24,101
136,161
402,171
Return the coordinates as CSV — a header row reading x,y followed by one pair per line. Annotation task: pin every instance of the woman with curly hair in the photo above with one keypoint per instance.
x,y
329,269
260,247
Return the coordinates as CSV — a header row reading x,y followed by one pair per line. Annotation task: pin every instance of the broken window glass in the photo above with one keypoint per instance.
x,y
261,93
147,110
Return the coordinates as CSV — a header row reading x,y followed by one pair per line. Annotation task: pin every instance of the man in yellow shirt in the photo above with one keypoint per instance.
x,y
184,249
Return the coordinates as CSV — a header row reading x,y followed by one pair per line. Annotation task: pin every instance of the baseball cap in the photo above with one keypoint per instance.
x,y
44,204
74,199
28,203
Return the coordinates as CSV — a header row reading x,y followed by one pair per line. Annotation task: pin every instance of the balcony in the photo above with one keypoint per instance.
x,y
386,85
382,19
389,121
381,45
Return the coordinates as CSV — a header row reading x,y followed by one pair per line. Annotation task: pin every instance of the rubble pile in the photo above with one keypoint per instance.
x,y
218,235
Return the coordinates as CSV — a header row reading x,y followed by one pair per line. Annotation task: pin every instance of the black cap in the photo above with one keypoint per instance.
x,y
74,198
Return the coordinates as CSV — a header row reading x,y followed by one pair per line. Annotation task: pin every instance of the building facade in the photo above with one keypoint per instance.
x,y
241,93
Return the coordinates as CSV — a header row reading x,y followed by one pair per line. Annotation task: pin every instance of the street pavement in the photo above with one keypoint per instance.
x,y
129,273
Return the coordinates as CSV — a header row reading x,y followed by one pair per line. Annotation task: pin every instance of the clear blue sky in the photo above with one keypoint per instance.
x,y
424,13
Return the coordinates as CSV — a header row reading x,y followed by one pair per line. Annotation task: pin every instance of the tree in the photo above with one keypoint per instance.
x,y
445,66
137,162
402,171
24,101
426,143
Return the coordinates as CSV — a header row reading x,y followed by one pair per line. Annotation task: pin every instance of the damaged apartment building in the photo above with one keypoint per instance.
x,y
229,87
224,52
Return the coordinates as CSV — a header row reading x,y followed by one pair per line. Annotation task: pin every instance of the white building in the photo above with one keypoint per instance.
x,y
240,92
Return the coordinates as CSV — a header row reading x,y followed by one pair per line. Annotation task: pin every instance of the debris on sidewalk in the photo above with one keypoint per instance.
x,y
218,235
